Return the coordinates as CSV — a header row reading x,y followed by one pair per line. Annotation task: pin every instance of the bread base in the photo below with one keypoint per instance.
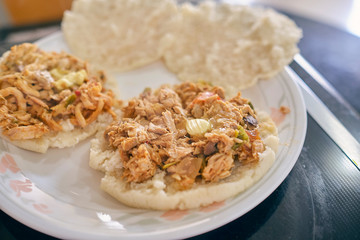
x,y
67,138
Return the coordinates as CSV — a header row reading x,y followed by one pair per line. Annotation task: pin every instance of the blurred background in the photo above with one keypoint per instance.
x,y
343,14
18,16
25,20
331,31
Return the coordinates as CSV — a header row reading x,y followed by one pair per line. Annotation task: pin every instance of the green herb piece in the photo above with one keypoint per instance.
x,y
70,100
168,165
251,105
241,134
236,146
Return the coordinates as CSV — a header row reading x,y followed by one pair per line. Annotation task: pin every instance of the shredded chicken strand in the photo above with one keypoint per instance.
x,y
40,89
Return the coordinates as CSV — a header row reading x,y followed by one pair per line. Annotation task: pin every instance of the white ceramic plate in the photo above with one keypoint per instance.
x,y
57,193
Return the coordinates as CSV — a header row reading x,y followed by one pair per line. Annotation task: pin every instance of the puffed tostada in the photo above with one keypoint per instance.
x,y
232,46
120,35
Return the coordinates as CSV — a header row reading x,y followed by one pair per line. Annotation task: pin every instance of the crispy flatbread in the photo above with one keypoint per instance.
x,y
118,34
231,46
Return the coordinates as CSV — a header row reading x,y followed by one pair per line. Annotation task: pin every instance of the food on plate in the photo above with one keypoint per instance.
x,y
50,99
231,45
183,147
221,43
120,34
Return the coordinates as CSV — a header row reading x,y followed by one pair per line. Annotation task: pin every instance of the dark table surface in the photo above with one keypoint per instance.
x,y
319,198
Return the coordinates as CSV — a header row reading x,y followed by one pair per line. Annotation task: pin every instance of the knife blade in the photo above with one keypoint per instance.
x,y
329,122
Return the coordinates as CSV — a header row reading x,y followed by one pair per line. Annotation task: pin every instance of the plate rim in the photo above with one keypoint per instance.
x,y
55,228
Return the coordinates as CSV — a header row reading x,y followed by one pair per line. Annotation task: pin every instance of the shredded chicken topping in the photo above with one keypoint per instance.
x,y
153,134
39,90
